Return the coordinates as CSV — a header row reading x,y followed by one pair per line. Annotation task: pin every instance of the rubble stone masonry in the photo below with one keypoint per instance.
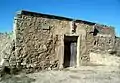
x,y
39,40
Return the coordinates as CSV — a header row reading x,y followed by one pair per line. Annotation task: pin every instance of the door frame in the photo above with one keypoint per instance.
x,y
61,50
69,40
78,49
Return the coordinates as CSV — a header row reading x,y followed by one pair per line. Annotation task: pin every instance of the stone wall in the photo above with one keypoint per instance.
x,y
38,41
5,46
7,49
35,47
104,42
117,46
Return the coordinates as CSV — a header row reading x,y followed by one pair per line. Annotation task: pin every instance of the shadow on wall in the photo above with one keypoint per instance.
x,y
95,32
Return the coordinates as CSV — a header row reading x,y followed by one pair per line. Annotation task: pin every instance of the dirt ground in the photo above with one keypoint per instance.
x,y
83,74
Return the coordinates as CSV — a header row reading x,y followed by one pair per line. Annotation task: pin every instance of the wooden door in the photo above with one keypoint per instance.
x,y
73,53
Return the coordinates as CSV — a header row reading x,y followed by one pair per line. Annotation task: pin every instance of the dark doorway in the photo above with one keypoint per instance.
x,y
70,51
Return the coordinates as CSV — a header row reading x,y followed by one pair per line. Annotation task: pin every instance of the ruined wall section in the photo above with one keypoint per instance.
x,y
101,42
104,40
117,46
6,49
3,41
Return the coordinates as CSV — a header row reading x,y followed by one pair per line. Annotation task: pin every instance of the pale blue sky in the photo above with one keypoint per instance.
x,y
100,11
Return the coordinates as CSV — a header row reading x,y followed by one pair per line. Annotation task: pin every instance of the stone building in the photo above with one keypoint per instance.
x,y
45,41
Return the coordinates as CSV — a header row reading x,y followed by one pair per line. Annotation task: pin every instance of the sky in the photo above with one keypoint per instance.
x,y
100,11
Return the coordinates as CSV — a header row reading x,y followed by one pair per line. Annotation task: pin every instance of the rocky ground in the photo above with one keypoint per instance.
x,y
83,74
